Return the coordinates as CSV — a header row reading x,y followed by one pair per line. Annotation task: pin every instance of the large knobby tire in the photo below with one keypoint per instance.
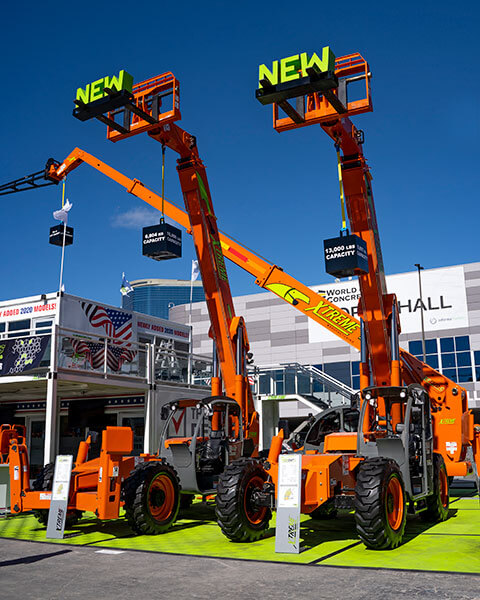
x,y
437,503
44,483
380,506
152,497
238,516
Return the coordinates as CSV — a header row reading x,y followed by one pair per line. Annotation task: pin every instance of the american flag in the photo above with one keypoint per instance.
x,y
117,325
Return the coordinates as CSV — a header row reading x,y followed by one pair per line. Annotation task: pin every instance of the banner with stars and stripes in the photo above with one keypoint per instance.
x,y
114,324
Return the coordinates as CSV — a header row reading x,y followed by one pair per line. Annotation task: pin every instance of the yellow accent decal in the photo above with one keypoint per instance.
x,y
288,293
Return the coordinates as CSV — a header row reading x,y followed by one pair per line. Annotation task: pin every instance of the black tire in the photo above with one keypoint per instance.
x,y
380,504
324,512
152,497
437,503
44,483
239,519
186,501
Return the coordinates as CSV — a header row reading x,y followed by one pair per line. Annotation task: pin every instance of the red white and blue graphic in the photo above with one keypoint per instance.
x,y
117,325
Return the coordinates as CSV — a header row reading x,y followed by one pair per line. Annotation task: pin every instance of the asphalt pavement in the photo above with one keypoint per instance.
x,y
42,571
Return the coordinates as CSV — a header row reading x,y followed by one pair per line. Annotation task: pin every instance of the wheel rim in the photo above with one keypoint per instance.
x,y
443,488
161,497
255,515
394,503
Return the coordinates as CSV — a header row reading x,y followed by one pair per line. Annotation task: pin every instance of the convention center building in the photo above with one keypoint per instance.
x,y
280,335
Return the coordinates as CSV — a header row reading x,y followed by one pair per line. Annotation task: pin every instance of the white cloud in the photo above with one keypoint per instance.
x,y
136,217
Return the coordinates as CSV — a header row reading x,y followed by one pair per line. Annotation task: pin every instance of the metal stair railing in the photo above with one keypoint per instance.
x,y
338,386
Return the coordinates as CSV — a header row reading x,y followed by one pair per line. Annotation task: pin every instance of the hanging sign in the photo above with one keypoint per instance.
x,y
287,531
162,241
56,235
346,256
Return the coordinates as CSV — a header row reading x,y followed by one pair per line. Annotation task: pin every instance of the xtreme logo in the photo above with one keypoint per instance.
x,y
292,531
217,250
217,246
327,313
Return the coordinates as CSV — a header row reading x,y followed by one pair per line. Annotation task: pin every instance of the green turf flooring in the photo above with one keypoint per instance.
x,y
450,546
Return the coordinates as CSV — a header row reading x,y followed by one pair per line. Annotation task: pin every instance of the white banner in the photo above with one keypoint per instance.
x,y
444,301
16,312
90,317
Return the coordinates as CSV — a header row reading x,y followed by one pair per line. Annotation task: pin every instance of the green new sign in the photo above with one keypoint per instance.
x,y
96,90
295,67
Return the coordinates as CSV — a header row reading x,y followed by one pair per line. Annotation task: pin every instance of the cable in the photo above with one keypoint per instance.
x,y
340,182
163,181
63,191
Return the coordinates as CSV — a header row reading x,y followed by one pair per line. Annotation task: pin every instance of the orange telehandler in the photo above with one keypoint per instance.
x,y
226,423
414,424
271,277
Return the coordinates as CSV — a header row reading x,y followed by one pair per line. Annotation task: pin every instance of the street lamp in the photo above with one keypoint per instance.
x,y
420,268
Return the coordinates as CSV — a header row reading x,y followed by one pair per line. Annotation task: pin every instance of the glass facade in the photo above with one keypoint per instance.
x,y
452,356
157,299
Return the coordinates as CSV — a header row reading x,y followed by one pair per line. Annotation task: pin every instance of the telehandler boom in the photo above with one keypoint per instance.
x,y
227,420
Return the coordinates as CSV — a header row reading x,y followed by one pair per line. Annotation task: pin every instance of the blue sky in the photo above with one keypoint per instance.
x,y
276,193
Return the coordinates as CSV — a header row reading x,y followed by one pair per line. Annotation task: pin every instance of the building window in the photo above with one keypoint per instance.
x,y
455,359
462,343
431,351
476,357
415,348
355,374
448,360
339,370
22,327
446,344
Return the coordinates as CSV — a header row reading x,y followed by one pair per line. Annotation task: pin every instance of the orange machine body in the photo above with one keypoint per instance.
x,y
94,486
383,364
227,330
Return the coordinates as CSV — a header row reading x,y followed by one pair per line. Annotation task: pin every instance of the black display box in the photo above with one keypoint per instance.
x,y
162,241
346,256
56,235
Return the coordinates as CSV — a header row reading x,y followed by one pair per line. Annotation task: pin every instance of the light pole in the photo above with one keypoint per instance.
x,y
420,268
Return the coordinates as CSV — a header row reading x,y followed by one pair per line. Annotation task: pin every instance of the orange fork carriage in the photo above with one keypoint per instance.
x,y
95,485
